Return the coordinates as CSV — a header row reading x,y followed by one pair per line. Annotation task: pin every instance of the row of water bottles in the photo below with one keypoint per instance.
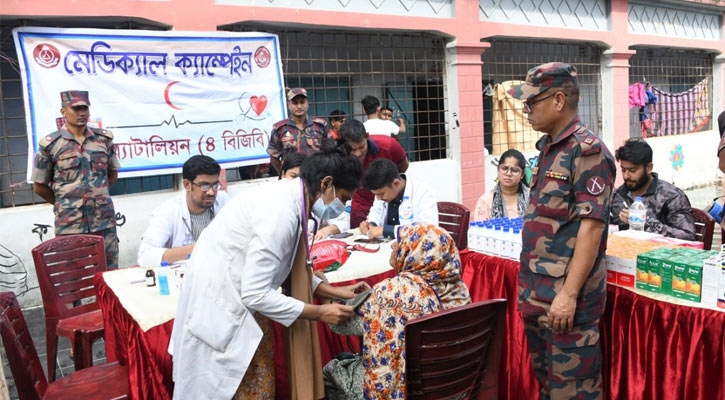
x,y
499,237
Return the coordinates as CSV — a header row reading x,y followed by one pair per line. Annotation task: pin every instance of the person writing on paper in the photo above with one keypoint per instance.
x,y
510,196
290,170
177,223
399,200
222,340
429,280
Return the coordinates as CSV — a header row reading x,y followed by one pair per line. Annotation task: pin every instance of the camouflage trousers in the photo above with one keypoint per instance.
x,y
110,243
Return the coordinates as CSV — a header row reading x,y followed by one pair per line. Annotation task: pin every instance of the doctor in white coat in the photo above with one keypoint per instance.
x,y
172,231
399,200
239,263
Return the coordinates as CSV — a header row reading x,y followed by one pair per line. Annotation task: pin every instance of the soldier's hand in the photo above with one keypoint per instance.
x,y
624,215
561,313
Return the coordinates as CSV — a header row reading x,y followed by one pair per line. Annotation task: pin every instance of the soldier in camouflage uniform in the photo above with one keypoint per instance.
x,y
297,133
74,169
562,275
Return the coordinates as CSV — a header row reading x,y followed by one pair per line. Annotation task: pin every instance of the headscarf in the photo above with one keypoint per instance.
x,y
498,209
429,280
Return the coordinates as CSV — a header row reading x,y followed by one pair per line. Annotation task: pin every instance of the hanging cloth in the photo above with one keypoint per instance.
x,y
511,129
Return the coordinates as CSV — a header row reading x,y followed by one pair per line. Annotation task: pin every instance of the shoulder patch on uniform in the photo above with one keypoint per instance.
x,y
48,139
279,124
590,144
595,185
102,132
318,120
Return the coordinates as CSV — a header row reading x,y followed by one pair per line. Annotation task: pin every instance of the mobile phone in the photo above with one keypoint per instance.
x,y
341,235
358,300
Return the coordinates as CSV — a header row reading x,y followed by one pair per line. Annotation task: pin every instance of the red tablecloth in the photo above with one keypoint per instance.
x,y
149,363
145,353
651,349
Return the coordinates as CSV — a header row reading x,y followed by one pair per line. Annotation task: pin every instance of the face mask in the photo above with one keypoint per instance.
x,y
328,211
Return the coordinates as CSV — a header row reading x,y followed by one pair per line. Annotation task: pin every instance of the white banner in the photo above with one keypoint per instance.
x,y
165,95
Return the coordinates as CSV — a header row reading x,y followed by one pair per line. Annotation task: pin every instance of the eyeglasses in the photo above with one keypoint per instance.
x,y
513,170
206,186
528,105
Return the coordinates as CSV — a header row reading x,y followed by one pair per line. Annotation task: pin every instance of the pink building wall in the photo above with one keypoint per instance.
x,y
465,28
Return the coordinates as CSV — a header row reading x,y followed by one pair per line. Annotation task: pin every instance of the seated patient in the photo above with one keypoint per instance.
x,y
668,209
510,197
399,200
291,170
176,224
428,281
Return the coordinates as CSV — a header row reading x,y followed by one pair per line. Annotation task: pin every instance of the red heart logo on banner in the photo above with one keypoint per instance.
x,y
258,103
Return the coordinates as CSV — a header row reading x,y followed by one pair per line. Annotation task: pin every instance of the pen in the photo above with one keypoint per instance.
x,y
138,281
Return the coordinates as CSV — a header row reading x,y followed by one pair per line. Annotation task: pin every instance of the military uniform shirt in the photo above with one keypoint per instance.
x,y
573,179
286,137
78,175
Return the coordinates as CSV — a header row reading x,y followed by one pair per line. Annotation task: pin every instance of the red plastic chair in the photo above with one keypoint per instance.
x,y
704,227
455,353
65,267
454,218
107,381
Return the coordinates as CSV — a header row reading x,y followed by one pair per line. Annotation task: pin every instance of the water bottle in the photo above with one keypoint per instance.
x,y
472,237
516,251
405,212
637,215
497,241
480,236
488,239
506,243
163,279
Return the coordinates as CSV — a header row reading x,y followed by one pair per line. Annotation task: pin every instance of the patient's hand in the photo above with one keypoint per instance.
x,y
364,227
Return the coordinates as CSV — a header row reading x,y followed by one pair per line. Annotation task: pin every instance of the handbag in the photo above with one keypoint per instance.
x,y
327,252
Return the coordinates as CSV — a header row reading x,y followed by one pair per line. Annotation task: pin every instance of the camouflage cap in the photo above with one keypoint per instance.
x,y
296,92
74,98
543,77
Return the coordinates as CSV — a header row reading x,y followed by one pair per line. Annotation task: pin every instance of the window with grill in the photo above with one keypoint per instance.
x,y
670,91
405,71
14,189
505,64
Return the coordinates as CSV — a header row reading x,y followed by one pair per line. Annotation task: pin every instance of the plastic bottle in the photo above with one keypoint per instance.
x,y
480,236
497,242
164,279
637,215
405,212
516,251
472,237
506,243
150,276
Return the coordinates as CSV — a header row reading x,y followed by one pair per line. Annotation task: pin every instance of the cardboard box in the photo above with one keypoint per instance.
x,y
721,287
665,271
626,271
710,280
679,277
611,263
694,280
642,271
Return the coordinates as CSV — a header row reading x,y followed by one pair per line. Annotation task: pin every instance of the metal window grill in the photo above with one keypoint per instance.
x,y
505,124
405,71
682,82
14,189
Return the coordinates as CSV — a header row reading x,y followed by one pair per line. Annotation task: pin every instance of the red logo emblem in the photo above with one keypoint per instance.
x,y
46,55
258,104
595,186
262,57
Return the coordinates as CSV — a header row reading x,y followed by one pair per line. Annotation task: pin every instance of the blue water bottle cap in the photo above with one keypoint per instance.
x,y
638,199
164,263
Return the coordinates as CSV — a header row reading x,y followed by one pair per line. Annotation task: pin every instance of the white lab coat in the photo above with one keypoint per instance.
x,y
425,206
169,227
237,267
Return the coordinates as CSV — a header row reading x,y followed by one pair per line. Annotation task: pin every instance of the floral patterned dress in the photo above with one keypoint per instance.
x,y
429,280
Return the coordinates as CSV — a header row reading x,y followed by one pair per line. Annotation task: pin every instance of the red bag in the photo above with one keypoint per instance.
x,y
326,252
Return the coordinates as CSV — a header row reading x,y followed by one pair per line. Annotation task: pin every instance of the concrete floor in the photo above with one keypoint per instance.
x,y
35,319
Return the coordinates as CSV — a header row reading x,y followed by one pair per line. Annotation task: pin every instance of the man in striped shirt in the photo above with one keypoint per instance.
x,y
176,225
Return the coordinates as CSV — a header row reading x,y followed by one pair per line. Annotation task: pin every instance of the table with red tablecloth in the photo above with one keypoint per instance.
x,y
138,323
651,349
